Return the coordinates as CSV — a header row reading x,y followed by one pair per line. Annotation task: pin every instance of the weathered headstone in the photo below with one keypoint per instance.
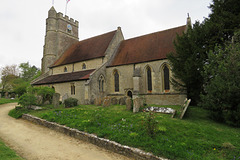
x,y
122,100
129,103
106,102
98,101
46,103
64,97
114,101
6,95
185,108
55,100
136,104
39,100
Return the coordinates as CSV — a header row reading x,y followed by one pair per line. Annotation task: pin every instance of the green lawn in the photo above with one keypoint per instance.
x,y
4,100
7,154
195,137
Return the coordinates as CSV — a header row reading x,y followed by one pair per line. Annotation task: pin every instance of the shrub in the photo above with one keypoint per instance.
x,y
17,113
45,92
27,99
70,102
150,124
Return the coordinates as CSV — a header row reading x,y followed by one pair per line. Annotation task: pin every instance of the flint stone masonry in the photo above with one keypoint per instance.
x,y
101,142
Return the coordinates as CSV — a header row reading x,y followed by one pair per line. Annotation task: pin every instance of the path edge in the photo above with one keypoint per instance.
x,y
91,138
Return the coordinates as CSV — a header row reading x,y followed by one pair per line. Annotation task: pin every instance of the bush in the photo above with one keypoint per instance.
x,y
45,92
27,99
17,113
70,102
151,124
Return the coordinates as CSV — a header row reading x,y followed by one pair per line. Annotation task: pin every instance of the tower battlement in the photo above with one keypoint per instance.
x,y
61,33
67,19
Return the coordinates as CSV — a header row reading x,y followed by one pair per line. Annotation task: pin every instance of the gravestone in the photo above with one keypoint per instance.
x,y
136,104
98,101
185,107
129,103
39,100
6,95
55,101
106,102
122,100
114,101
64,97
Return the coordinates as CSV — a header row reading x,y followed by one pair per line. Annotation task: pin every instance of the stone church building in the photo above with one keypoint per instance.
x,y
107,65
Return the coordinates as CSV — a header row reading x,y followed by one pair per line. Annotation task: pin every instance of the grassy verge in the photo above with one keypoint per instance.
x,y
4,100
195,137
7,154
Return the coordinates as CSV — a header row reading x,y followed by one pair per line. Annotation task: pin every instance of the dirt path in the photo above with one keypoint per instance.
x,y
34,142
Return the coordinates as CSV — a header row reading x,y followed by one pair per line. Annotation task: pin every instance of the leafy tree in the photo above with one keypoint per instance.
x,y
222,90
20,86
27,100
28,72
192,47
8,74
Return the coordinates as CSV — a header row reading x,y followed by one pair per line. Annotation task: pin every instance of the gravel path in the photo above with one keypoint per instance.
x,y
34,142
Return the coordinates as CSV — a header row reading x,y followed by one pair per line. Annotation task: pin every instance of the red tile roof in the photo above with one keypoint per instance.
x,y
67,77
91,48
145,48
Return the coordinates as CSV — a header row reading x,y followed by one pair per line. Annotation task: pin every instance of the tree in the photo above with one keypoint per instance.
x,y
222,87
8,74
192,48
28,72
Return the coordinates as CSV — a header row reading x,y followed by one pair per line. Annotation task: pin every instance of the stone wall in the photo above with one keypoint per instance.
x,y
164,99
75,67
101,142
65,88
94,92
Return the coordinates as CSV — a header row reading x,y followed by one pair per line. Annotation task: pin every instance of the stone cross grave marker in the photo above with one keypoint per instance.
x,y
185,107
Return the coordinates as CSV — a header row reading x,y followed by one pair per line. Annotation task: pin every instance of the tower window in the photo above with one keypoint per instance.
x,y
116,81
149,79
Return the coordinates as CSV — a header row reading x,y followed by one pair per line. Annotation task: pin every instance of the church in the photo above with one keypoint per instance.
x,y
107,65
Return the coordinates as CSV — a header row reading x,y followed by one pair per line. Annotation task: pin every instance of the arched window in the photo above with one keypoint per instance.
x,y
149,79
166,78
116,81
84,66
72,89
65,69
101,83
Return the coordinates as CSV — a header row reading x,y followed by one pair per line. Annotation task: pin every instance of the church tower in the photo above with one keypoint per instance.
x,y
61,33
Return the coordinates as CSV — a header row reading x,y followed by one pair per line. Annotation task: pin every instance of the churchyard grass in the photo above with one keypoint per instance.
x,y
7,154
4,100
194,137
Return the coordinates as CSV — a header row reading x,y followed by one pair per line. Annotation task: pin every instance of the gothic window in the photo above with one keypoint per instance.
x,y
149,79
65,69
166,78
84,66
116,81
72,89
101,83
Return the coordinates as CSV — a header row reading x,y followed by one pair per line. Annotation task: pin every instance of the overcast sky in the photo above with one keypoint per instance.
x,y
22,28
